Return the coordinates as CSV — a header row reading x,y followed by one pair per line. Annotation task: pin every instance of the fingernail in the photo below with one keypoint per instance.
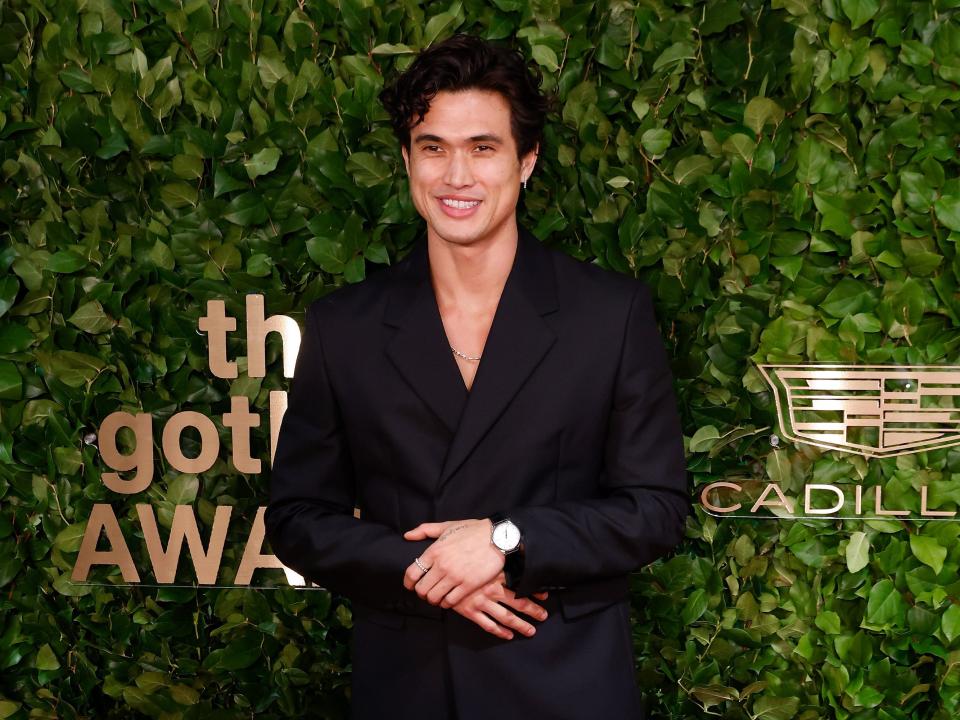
x,y
531,631
543,615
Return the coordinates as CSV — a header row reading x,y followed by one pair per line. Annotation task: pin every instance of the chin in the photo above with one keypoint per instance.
x,y
461,234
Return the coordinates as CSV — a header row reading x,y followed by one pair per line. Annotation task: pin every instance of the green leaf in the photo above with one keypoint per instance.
x,y
11,384
885,605
183,490
656,141
718,16
950,623
367,169
247,209
161,256
375,252
188,167
73,369
916,53
262,162
760,111
260,265
834,212
775,708
847,297
69,539
392,49
10,565
76,79
436,26
704,438
789,266
327,253
741,146
928,551
858,551
947,209
272,70
689,168
91,317
223,182
546,57
46,660
812,159
65,261
676,53
9,287
695,606
860,12
829,622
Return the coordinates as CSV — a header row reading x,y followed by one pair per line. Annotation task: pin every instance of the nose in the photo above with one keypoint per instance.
x,y
459,173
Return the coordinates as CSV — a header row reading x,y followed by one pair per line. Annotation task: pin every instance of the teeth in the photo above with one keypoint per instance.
x,y
460,204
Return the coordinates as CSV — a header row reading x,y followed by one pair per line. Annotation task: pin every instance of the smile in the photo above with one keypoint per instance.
x,y
460,204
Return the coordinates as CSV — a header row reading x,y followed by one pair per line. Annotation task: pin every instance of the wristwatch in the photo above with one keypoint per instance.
x,y
508,539
505,536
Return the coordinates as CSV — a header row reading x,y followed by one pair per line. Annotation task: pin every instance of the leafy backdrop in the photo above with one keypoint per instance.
x,y
783,173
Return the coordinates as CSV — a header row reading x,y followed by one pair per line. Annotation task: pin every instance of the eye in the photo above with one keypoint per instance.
x,y
484,147
431,148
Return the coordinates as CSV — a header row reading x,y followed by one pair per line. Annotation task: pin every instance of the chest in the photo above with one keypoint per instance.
x,y
466,333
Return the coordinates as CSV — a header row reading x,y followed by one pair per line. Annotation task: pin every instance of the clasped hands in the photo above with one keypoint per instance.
x,y
466,574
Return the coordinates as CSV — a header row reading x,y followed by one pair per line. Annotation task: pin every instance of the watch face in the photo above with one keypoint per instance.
x,y
506,535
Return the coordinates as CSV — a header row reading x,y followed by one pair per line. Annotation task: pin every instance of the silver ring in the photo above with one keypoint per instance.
x,y
421,566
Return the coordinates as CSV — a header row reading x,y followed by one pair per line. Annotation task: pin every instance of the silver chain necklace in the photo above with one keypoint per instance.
x,y
465,357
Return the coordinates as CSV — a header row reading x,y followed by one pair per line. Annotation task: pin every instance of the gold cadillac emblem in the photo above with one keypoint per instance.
x,y
871,410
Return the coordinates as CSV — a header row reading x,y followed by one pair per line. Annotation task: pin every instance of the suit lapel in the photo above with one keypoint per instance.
x,y
518,340
419,349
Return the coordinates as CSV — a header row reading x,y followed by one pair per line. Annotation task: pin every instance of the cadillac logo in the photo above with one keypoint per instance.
x,y
872,410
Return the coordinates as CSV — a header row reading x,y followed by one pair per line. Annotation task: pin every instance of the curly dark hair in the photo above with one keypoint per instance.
x,y
467,62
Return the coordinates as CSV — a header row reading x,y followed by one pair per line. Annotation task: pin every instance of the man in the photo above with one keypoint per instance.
x,y
502,416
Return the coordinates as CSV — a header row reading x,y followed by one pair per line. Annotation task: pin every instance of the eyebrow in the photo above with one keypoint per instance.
x,y
485,137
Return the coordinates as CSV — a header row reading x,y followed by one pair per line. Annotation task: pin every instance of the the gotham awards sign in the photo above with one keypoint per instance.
x,y
133,472
868,411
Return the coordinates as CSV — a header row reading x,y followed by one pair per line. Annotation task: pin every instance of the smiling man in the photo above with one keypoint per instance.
x,y
503,418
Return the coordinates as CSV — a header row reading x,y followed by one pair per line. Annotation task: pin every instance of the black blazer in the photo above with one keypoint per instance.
x,y
570,429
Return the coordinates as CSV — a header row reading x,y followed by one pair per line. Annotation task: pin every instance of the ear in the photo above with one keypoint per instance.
x,y
528,161
406,159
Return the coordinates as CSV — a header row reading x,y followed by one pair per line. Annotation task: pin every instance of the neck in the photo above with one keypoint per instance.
x,y
471,277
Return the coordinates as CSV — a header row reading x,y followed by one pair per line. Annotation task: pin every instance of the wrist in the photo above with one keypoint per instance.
x,y
508,538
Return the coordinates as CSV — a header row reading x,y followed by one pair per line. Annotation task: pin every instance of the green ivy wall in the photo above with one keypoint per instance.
x,y
784,174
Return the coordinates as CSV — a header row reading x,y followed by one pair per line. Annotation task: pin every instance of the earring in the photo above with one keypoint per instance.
x,y
524,183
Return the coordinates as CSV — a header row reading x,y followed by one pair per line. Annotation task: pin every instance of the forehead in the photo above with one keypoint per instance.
x,y
464,114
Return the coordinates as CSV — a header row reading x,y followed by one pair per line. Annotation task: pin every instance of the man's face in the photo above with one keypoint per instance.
x,y
463,168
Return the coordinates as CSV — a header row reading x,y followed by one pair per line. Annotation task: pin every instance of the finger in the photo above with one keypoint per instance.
x,y
426,583
440,591
412,575
541,595
508,619
486,623
454,596
426,530
528,607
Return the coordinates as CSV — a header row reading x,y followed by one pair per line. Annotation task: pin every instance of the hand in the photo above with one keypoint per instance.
x,y
460,561
486,607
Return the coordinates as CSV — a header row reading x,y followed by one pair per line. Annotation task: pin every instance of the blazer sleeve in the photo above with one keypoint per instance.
x,y
639,510
310,520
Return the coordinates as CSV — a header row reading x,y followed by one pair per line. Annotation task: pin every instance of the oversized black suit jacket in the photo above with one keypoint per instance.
x,y
570,429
